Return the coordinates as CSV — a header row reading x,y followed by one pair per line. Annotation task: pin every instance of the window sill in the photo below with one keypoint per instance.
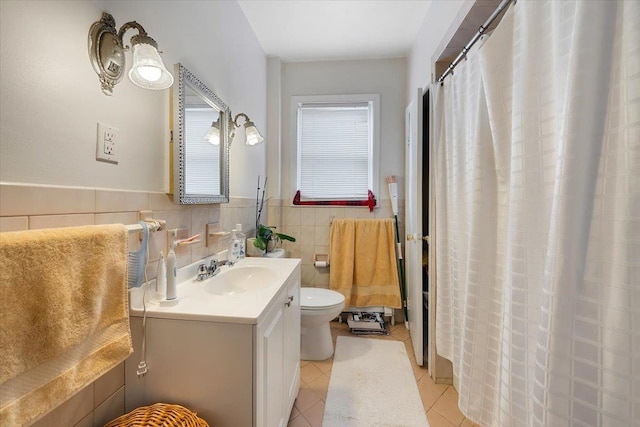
x,y
370,202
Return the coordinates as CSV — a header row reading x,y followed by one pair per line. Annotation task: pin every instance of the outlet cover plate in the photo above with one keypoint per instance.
x,y
107,144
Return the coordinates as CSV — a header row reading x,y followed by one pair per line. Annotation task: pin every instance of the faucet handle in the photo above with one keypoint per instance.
x,y
203,273
213,265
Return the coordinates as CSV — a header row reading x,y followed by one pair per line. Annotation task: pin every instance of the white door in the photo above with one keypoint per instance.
x,y
413,221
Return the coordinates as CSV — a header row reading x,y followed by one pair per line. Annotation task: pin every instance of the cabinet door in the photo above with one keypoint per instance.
x,y
292,343
271,371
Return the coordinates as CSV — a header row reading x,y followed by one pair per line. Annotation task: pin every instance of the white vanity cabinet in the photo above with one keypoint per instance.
x,y
243,373
278,359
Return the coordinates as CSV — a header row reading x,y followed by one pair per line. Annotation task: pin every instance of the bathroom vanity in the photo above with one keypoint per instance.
x,y
229,350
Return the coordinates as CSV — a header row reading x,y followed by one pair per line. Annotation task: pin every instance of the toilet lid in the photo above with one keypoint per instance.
x,y
316,298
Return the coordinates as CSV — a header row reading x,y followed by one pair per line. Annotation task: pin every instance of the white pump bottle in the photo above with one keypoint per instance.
x,y
171,268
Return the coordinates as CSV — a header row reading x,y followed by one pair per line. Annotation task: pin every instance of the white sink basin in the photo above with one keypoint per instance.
x,y
240,279
237,294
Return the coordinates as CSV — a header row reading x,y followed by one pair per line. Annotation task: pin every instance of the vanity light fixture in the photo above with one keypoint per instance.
x,y
107,54
213,135
253,136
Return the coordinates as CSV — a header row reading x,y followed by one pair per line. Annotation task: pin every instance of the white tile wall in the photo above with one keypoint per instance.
x,y
70,412
19,199
14,223
310,225
54,221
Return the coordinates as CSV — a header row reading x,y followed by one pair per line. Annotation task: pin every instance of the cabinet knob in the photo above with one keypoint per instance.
x,y
289,301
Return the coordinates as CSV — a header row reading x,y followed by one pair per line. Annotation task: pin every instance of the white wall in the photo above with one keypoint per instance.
x,y
51,99
442,19
385,76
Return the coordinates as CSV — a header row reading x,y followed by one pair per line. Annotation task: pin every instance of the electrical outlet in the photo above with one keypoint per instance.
x,y
107,143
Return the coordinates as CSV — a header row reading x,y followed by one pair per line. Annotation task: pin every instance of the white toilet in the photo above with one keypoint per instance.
x,y
317,308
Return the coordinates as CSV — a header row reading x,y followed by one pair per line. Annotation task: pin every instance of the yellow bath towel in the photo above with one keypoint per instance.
x,y
363,262
64,317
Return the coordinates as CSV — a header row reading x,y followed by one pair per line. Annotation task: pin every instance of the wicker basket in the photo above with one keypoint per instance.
x,y
159,415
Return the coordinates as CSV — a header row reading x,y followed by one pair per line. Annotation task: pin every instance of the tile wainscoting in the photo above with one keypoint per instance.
x,y
24,207
310,226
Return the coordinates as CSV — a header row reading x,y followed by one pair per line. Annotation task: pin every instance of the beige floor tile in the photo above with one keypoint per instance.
x,y
306,399
294,413
339,326
309,373
437,420
400,334
438,387
408,344
324,365
447,406
428,395
468,423
320,386
298,421
304,363
314,415
419,372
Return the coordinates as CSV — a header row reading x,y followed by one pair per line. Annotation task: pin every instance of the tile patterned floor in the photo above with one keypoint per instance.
x,y
440,401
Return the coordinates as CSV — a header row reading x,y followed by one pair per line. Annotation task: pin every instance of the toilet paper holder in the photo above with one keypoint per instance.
x,y
321,260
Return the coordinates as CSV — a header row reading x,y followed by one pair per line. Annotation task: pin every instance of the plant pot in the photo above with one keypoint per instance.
x,y
252,250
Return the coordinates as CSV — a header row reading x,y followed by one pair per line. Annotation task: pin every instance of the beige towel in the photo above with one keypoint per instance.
x,y
363,262
64,317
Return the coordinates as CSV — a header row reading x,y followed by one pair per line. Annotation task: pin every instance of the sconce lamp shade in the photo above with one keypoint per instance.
x,y
253,136
107,55
148,70
213,135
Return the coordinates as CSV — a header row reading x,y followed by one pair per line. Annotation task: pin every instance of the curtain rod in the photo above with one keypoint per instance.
x,y
503,5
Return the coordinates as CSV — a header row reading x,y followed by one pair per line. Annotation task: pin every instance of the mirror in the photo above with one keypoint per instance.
x,y
200,169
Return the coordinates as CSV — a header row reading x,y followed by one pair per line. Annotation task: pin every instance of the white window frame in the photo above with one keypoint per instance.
x,y
374,142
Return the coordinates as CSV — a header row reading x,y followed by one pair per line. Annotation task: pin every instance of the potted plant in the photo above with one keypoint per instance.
x,y
266,238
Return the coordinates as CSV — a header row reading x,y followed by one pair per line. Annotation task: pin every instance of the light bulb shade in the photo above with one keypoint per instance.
x,y
148,70
213,135
253,136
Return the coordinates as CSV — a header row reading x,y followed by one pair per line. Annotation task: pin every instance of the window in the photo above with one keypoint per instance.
x,y
203,157
337,146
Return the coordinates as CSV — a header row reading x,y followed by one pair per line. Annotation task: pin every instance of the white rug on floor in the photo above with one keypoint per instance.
x,y
372,384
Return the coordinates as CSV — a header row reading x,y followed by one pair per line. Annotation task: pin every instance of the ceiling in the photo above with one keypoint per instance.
x,y
313,30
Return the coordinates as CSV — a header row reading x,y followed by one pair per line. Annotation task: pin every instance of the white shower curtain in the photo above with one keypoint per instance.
x,y
538,218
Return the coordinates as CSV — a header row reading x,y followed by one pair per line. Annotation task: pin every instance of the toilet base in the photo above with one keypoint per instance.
x,y
316,342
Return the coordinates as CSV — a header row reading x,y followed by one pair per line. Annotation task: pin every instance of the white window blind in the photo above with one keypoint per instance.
x,y
203,158
334,150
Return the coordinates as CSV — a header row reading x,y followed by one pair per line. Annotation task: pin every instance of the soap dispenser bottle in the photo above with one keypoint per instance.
x,y
237,246
171,268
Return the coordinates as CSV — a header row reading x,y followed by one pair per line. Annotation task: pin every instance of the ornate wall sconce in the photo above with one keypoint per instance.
x,y
250,129
107,54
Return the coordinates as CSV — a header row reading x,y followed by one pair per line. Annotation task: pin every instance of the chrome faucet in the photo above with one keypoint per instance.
x,y
205,272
